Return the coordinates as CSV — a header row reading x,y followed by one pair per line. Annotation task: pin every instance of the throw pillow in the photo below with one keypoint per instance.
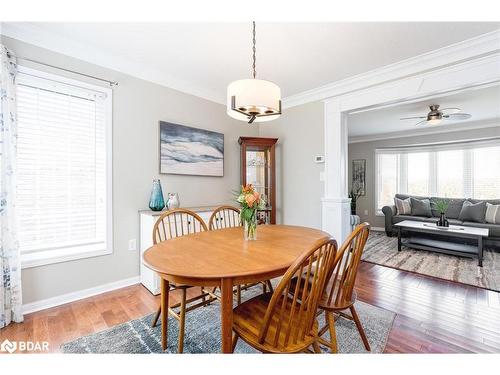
x,y
421,207
492,213
473,212
403,206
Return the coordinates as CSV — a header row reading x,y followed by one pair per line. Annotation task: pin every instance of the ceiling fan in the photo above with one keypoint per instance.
x,y
436,115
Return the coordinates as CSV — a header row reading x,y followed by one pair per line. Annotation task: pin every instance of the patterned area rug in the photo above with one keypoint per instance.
x,y
383,250
202,334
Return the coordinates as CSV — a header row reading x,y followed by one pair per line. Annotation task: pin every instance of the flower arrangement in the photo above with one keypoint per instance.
x,y
250,201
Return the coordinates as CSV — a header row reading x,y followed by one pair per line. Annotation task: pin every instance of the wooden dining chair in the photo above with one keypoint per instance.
x,y
229,217
339,294
285,321
225,217
171,224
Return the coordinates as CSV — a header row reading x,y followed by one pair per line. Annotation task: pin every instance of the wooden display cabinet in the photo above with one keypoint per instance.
x,y
258,167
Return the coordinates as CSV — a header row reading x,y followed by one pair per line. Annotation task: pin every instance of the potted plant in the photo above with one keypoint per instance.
x,y
442,207
250,201
354,195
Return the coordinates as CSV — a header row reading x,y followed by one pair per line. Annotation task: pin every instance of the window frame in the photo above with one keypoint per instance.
x,y
51,256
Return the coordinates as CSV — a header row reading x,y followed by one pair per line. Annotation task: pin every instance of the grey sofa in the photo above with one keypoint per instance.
x,y
455,206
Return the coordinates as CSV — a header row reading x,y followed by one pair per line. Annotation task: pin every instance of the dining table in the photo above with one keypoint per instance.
x,y
223,258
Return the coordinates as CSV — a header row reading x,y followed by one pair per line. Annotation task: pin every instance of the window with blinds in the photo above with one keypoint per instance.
x,y
460,170
63,169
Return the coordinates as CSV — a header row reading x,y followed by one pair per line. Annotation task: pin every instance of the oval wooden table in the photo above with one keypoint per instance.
x,y
223,258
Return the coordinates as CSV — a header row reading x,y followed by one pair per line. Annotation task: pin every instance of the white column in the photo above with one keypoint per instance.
x,y
335,203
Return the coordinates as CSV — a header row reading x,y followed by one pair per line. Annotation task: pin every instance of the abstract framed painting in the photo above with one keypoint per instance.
x,y
190,151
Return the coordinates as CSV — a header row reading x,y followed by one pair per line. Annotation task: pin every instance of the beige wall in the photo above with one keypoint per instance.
x,y
299,189
366,150
137,107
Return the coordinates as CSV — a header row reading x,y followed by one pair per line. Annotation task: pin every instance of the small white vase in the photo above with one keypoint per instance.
x,y
173,201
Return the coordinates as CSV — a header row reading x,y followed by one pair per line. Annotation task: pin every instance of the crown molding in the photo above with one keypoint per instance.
x,y
39,37
451,128
460,52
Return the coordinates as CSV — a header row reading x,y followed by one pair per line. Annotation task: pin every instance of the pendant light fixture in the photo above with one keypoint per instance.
x,y
253,100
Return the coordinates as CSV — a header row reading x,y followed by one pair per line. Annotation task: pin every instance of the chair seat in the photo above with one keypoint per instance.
x,y
249,318
340,304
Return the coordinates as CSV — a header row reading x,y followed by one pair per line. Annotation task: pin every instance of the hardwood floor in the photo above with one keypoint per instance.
x,y
433,316
67,322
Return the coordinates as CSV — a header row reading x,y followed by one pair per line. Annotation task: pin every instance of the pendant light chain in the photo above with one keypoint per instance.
x,y
254,50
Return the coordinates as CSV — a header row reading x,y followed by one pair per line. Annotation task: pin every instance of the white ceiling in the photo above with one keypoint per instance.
x,y
483,104
203,58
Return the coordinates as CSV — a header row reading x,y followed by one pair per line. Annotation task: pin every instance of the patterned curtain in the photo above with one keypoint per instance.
x,y
10,263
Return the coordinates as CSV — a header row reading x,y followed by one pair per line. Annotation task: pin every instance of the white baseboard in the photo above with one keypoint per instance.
x,y
377,229
74,296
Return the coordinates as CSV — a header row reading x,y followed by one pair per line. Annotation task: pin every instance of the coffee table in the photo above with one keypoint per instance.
x,y
441,244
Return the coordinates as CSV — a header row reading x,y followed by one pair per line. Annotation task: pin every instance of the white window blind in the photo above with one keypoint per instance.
x,y
453,170
387,178
62,168
485,172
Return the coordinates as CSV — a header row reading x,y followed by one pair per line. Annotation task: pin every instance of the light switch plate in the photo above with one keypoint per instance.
x,y
366,212
132,244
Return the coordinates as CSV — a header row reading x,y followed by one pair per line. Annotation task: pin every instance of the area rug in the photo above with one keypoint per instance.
x,y
383,250
202,334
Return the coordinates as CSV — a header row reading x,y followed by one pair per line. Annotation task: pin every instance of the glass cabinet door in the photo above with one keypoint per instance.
x,y
258,169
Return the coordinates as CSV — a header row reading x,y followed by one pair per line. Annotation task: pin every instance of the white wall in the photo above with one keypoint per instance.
x,y
299,189
137,107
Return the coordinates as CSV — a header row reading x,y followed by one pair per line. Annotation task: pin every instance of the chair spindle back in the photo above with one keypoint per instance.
x,y
295,300
225,217
340,284
176,223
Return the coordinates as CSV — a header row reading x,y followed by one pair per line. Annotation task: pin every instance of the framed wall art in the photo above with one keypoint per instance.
x,y
190,151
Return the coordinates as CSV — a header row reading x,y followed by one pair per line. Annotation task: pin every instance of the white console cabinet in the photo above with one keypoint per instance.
x,y
148,219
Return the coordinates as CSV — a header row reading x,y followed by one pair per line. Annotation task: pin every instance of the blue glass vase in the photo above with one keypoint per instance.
x,y
156,202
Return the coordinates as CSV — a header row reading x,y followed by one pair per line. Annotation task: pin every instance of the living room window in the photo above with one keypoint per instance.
x,y
63,168
460,170
452,178
418,179
486,172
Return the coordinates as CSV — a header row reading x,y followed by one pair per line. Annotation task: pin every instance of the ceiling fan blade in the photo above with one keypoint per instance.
x,y
412,118
452,109
421,122
458,116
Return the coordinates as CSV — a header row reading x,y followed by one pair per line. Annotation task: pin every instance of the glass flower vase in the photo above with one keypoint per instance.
x,y
250,228
156,202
